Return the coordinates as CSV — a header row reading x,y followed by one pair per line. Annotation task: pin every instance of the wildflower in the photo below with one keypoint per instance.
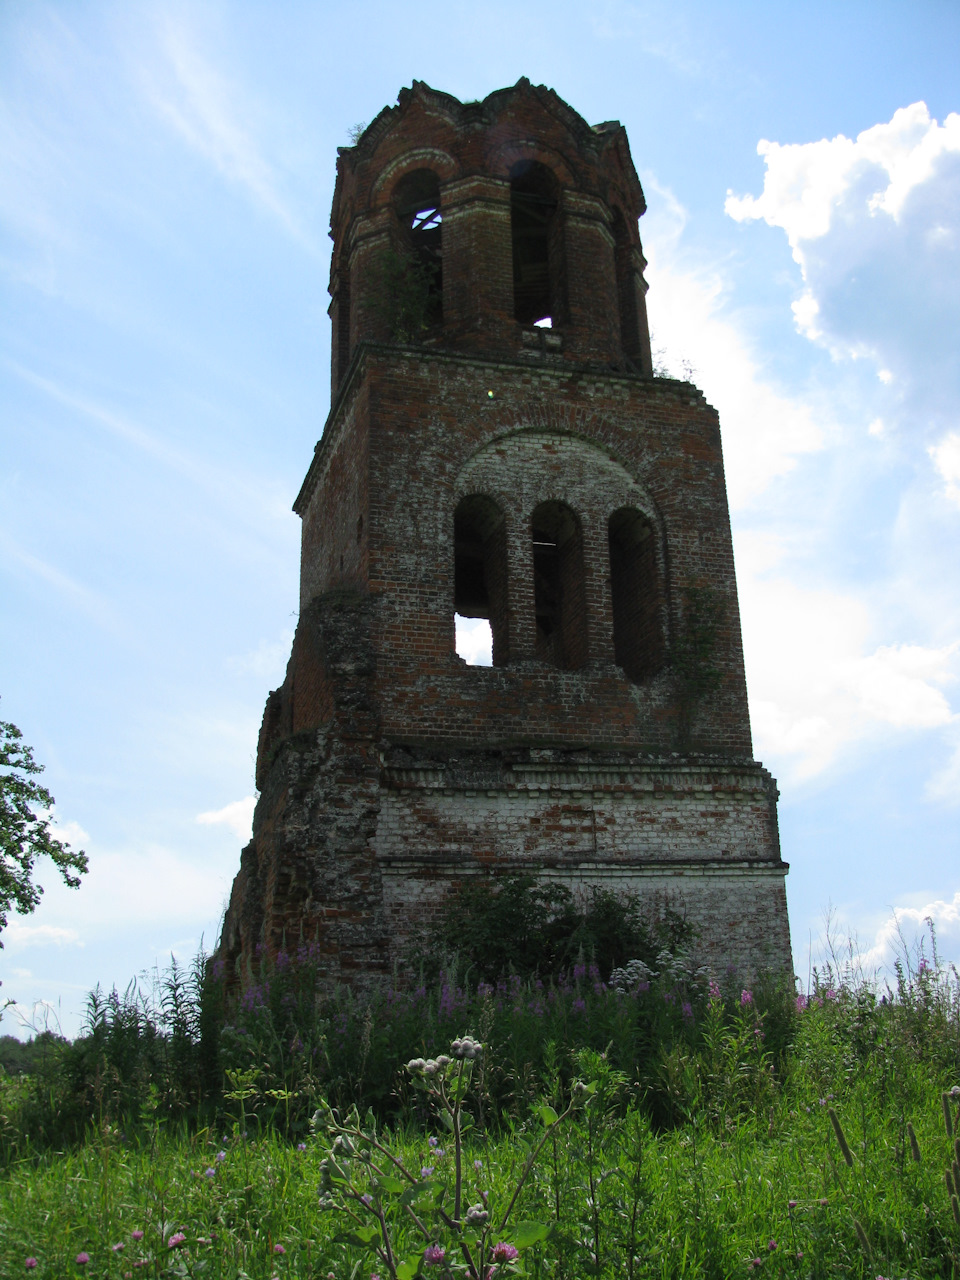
x,y
791,1204
278,1248
746,997
82,1259
366,1199
221,1156
136,1235
714,990
30,1263
176,1240
478,1165
477,1216
755,1262
426,1171
771,1245
504,1252
466,1048
433,1141
301,1146
433,1255
801,1003
687,1010
118,1248
209,1173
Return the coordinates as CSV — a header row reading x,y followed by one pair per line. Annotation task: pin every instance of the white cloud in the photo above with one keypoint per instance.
x,y
19,935
806,183
764,429
238,816
72,833
874,224
817,684
474,641
946,458
905,933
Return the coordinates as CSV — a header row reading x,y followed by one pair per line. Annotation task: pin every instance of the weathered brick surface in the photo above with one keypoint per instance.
x,y
390,770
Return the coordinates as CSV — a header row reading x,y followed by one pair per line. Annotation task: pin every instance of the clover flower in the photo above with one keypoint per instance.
x,y
82,1259
30,1263
176,1240
136,1235
504,1252
434,1254
118,1248
278,1248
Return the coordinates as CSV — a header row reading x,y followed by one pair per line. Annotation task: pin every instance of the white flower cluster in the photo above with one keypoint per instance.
x,y
477,1216
429,1066
466,1047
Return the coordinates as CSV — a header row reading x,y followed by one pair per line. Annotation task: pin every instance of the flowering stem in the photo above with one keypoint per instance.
x,y
531,1160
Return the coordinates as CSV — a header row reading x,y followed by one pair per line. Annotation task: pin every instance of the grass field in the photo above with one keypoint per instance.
x,y
788,1137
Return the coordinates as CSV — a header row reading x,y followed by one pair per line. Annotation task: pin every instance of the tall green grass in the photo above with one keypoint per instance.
x,y
711,1147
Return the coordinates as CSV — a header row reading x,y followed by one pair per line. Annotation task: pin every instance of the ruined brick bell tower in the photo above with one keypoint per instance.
x,y
498,447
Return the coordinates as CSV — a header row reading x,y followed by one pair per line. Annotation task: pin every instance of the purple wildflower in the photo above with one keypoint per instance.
x,y
278,1248
801,1003
136,1235
771,1245
426,1171
176,1240
687,1010
210,1173
221,1155
433,1141
82,1259
433,1255
30,1263
118,1248
301,1146
504,1252
746,997
714,989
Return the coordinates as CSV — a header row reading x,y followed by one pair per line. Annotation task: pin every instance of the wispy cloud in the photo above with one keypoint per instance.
x,y
213,115
81,597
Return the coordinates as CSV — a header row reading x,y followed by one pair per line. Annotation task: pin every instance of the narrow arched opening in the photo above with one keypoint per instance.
x,y
416,200
535,232
480,574
636,595
560,597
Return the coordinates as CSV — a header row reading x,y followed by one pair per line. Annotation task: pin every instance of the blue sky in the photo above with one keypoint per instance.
x,y
166,172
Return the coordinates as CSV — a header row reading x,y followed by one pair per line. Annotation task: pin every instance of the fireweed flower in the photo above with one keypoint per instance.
x,y
504,1252
746,997
433,1255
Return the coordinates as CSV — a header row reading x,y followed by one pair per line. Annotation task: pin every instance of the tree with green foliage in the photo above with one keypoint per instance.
x,y
25,835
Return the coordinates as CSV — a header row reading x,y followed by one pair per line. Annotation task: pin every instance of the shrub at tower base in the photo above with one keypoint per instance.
x,y
644,1127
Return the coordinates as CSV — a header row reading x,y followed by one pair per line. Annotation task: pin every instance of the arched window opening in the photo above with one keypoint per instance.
x,y
626,285
480,578
560,598
417,204
535,231
635,588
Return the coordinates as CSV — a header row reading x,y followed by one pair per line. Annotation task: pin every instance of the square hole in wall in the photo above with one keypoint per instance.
x,y
474,641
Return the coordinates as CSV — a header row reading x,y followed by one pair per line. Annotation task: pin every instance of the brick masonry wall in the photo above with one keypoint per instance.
x,y
391,772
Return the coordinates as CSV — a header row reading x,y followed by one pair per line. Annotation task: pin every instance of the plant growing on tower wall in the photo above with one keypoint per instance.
x,y
404,296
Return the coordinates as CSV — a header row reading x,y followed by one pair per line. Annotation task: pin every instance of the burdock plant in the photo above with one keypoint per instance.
x,y
411,1220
